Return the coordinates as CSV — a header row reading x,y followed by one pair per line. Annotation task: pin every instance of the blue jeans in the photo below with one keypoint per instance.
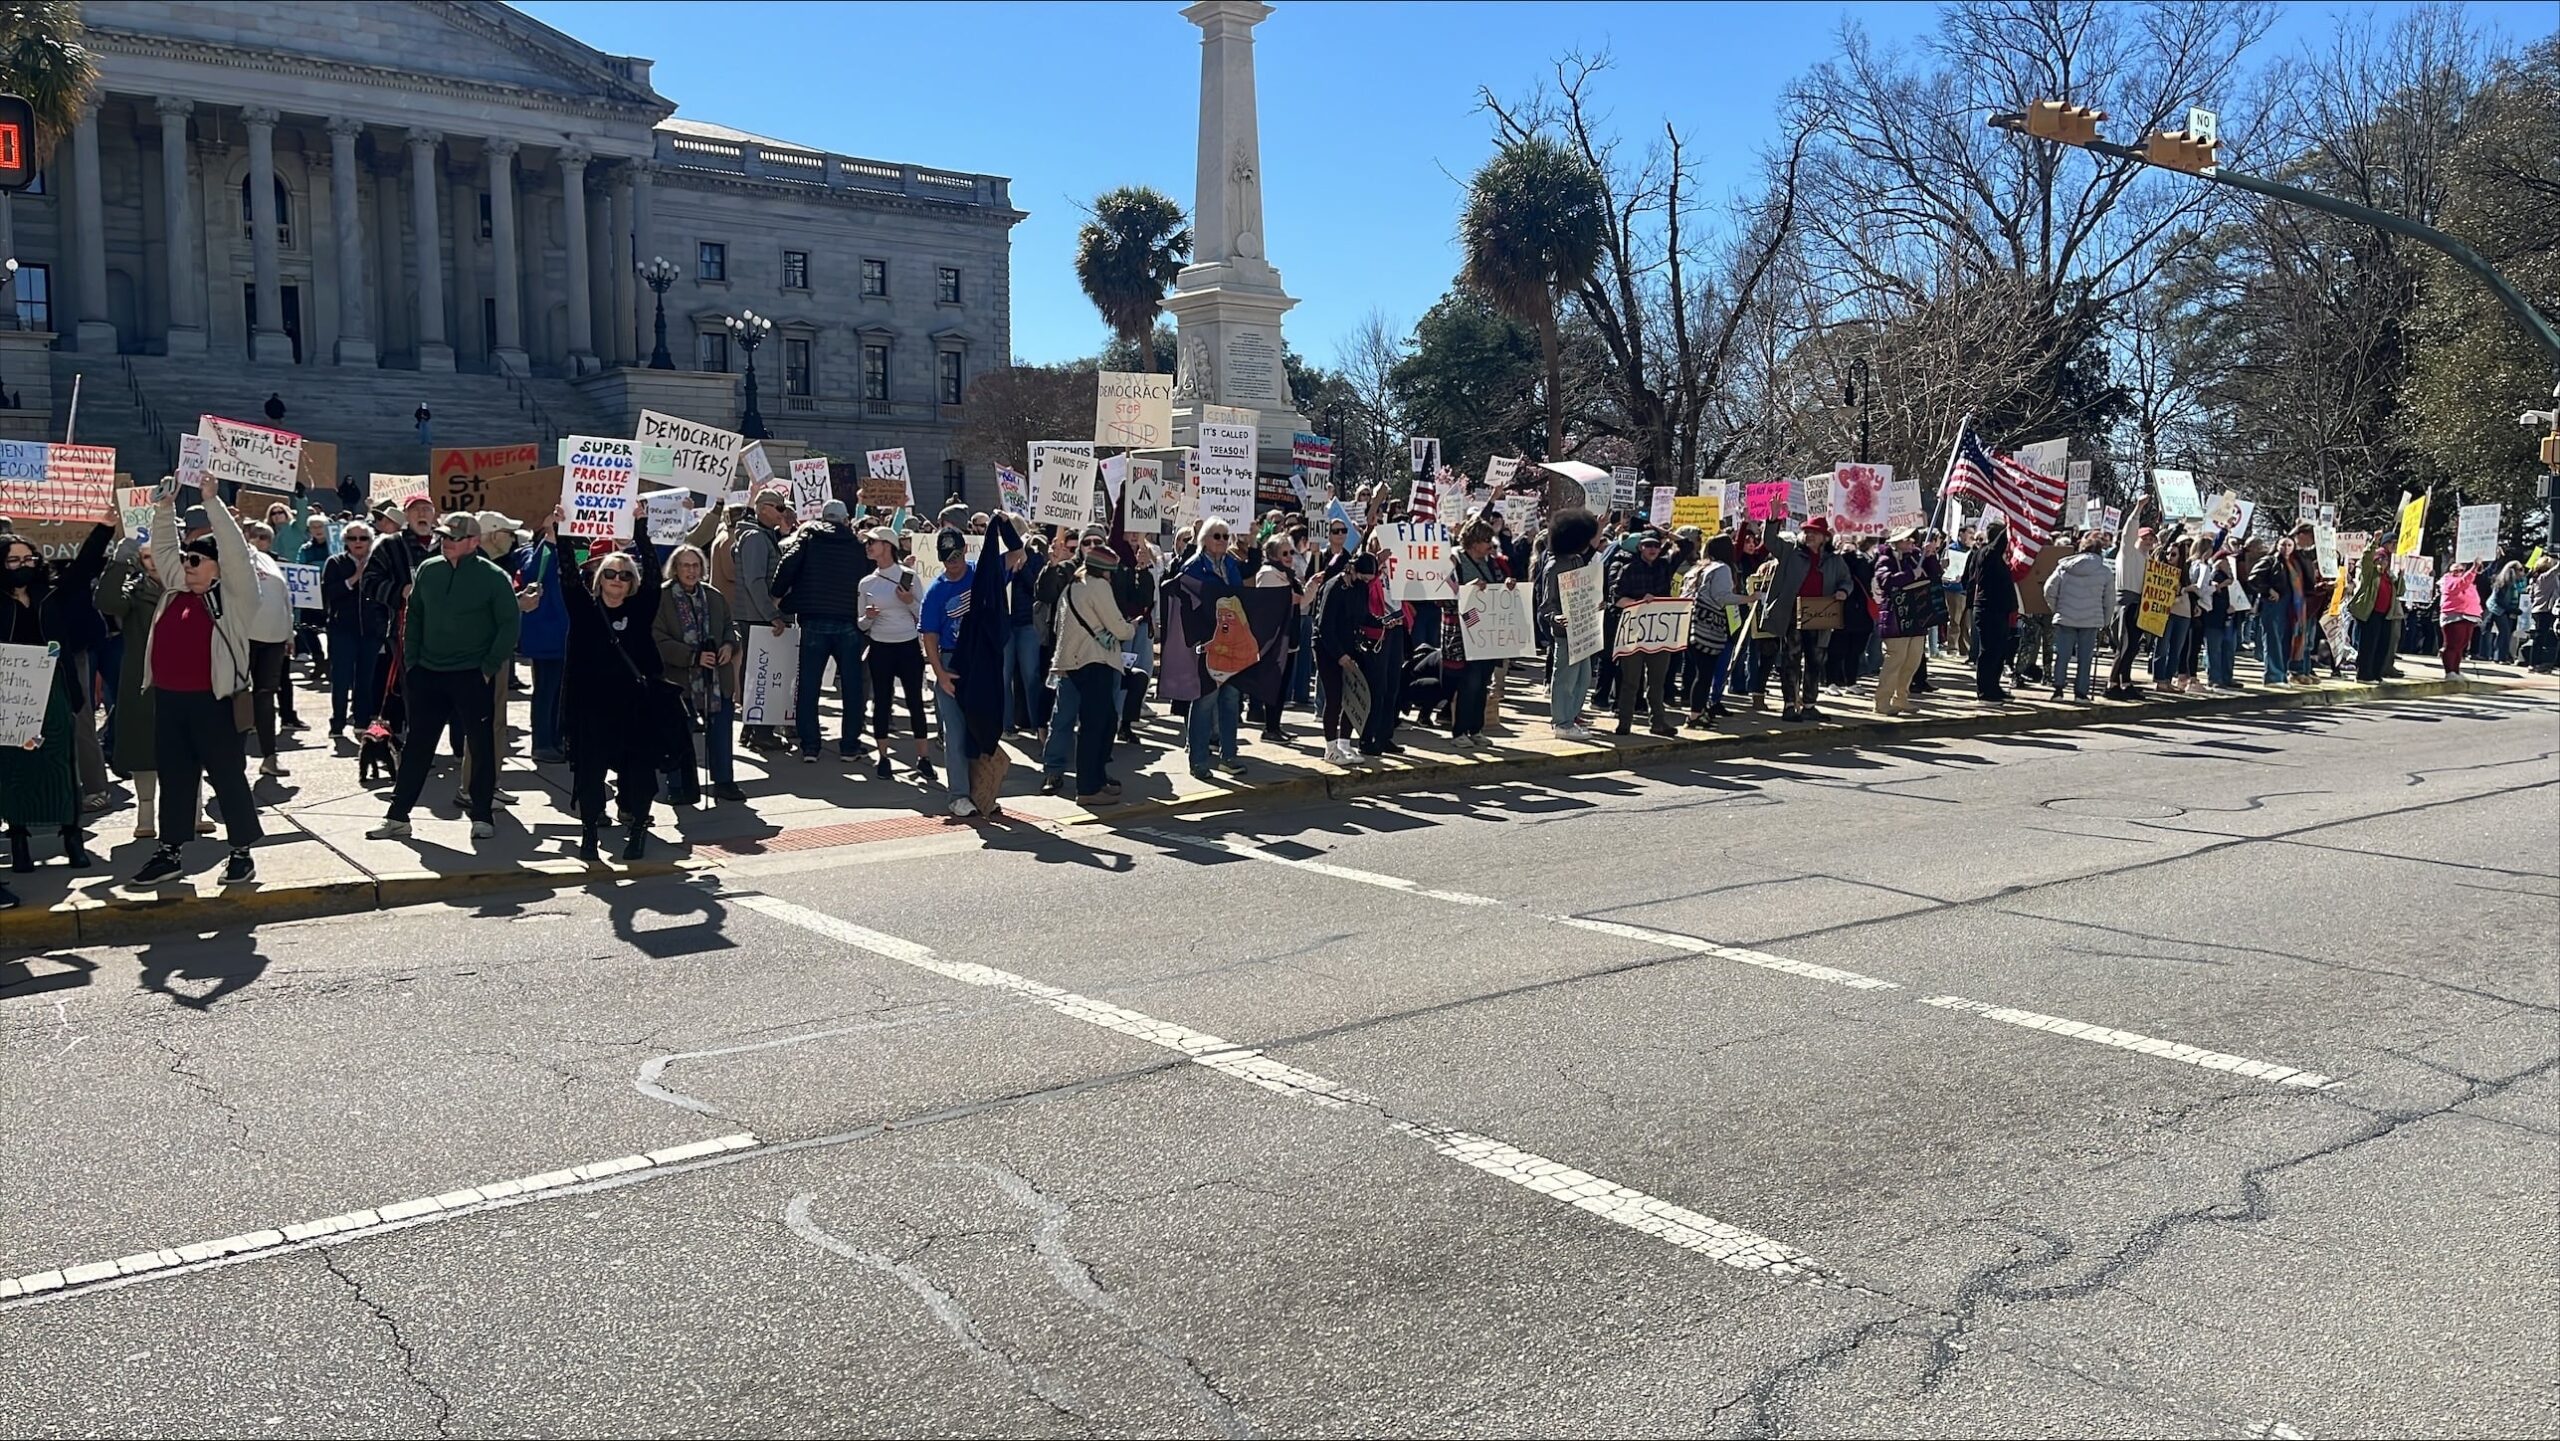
x,y
1302,665
825,638
2221,639
1023,689
719,742
2275,637
547,675
1212,724
351,694
2074,642
1063,715
955,737
1569,689
2169,654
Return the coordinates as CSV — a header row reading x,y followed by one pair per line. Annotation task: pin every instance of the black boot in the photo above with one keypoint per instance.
x,y
587,842
19,860
638,845
75,848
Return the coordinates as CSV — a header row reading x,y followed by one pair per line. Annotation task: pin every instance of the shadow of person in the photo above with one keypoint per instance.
x,y
229,959
20,978
1049,848
668,896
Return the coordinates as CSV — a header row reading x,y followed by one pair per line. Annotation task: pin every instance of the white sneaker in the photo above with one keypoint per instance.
x,y
389,831
962,807
1566,733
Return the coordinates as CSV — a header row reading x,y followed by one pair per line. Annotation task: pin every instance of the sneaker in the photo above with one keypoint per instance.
x,y
240,869
808,758
1566,732
880,768
1050,785
483,830
389,830
1232,765
163,864
962,807
97,803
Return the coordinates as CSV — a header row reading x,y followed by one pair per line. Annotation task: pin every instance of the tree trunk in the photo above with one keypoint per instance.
x,y
1553,346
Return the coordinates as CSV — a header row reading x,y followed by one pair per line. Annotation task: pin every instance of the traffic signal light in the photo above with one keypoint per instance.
x,y
17,143
2070,124
2176,150
2551,451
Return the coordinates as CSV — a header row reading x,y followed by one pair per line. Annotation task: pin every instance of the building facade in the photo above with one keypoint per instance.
x,y
449,186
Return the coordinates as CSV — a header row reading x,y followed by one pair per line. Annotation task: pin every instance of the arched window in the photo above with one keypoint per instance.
x,y
284,213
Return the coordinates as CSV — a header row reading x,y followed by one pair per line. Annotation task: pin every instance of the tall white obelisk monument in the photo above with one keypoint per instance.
x,y
1228,302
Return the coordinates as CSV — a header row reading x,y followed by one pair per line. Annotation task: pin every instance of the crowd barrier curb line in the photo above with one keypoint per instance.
x,y
90,920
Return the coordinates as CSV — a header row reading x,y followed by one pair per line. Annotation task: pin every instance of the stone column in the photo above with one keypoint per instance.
x,y
355,307
573,196
97,333
643,299
186,286
427,240
267,338
624,279
509,355
470,342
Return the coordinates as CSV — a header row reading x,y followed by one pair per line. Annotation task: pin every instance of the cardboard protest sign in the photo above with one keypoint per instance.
x,y
250,503
2159,592
769,676
526,495
1499,470
246,454
2475,535
1659,511
2177,490
1653,627
1703,511
1764,499
1493,622
317,471
1064,487
1132,409
302,582
701,458
1223,480
884,479
1578,593
1861,503
26,688
1623,481
1416,565
459,470
40,482
813,484
599,488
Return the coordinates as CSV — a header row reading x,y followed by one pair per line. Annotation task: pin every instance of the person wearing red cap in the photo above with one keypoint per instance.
x,y
1804,606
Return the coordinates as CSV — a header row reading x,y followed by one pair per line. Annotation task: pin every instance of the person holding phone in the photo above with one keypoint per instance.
x,y
891,620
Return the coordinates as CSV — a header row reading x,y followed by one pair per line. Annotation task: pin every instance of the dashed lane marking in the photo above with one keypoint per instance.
x,y
2178,1051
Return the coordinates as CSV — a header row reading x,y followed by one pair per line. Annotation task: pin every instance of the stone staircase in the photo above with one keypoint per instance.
x,y
141,404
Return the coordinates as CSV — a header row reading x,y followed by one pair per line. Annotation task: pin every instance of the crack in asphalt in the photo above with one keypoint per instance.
x,y
212,1094
409,1367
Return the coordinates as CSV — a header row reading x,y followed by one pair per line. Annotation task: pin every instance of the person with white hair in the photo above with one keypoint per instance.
x,y
352,643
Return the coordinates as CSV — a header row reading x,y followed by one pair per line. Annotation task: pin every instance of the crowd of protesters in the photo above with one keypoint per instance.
x,y
964,630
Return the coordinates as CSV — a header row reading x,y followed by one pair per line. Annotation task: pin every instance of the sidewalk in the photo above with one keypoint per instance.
x,y
316,860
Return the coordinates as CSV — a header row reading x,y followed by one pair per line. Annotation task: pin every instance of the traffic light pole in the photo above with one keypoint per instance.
x,y
2469,259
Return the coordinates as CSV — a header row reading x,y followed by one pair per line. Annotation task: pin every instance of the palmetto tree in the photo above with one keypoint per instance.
x,y
43,62
1531,231
1127,256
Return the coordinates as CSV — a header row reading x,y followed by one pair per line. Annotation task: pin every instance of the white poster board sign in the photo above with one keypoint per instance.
x,y
813,484
701,458
2075,488
1224,475
191,453
1063,486
1494,622
246,454
1623,480
1041,478
26,688
1133,409
302,583
670,515
769,677
1578,595
1417,561
1653,627
2178,496
2475,535
1660,511
886,484
1498,471
599,487
1144,513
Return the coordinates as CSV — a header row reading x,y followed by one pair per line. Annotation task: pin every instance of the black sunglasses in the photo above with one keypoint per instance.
x,y
192,561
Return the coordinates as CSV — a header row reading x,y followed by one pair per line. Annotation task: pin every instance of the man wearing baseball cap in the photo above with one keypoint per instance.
x,y
461,629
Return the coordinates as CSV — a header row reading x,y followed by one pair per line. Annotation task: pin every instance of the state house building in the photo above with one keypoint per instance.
x,y
362,207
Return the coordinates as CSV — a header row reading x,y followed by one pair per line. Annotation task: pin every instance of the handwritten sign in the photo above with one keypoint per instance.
x,y
599,488
670,514
757,464
2413,524
26,688
246,454
2159,592
2475,535
1065,486
884,480
397,491
1623,480
1133,410
1861,501
1416,565
133,508
192,450
1499,469
2177,489
813,484
1041,478
1664,497
770,676
1703,511
40,482
302,582
1494,622
1902,506
701,458
1144,513
526,495
1764,499
1013,493
1578,594
1225,473
2075,487
1653,627
463,468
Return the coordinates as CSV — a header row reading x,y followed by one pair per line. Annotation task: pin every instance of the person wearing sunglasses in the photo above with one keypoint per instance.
x,y
197,668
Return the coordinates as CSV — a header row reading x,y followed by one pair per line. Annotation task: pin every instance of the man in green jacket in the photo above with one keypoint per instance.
x,y
461,629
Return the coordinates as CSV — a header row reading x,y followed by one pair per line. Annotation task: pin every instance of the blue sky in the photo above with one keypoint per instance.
x,y
1369,123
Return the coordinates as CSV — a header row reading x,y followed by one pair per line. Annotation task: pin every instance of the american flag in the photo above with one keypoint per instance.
x,y
1425,505
2030,500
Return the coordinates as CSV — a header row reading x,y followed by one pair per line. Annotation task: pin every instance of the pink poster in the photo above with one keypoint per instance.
x,y
1764,499
1858,499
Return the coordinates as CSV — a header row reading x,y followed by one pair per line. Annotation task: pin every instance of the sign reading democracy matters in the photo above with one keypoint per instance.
x,y
599,487
701,458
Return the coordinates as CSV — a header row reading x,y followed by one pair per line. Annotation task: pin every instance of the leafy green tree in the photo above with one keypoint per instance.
x,y
1531,232
1471,379
1127,256
43,62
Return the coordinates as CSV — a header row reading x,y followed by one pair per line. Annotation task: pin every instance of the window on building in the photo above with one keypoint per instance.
x,y
875,372
947,284
946,376
713,263
488,226
711,351
875,277
35,297
795,270
955,479
284,213
795,365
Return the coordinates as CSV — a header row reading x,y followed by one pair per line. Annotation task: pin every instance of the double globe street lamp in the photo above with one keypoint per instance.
x,y
749,330
658,273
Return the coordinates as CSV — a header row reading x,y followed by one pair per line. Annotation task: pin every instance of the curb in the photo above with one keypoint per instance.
x,y
116,920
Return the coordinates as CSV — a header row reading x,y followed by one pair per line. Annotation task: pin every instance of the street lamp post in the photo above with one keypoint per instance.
x,y
749,330
1861,395
9,284
659,273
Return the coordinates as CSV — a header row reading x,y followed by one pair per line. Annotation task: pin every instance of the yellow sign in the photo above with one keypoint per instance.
x,y
1706,512
2159,592
2413,525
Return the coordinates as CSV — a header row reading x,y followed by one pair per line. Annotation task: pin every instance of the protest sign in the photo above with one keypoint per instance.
x,y
2223,511
317,470
2110,519
1703,511
1653,627
757,463
302,582
1817,497
1133,410
1499,470
2075,489
1494,622
1902,503
1337,511
884,480
2475,534
1143,513
1733,501
40,482
245,454
599,488
1578,590
1425,454
1417,562
1064,494
769,676
2177,490
2159,592
250,503
133,509
1013,493
1623,480
2306,504
2413,525
1225,475
1861,501
459,471
1795,499
1521,511
669,513
1659,512
26,688
191,453
813,484
699,457
397,491
1764,499
525,495
2324,540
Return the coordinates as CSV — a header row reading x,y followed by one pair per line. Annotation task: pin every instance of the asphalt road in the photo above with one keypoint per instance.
x,y
2193,1079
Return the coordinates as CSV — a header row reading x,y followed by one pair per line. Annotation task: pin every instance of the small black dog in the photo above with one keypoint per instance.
x,y
377,755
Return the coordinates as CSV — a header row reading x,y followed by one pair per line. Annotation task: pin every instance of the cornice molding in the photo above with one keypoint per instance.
x,y
676,176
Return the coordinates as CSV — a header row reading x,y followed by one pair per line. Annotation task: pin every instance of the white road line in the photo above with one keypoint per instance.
x,y
45,1286
1699,946
1626,1206
2135,1041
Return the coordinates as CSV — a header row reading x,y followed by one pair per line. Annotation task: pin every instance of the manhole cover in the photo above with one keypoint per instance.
x,y
2115,808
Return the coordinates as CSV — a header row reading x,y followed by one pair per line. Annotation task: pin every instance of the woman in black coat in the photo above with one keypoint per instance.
x,y
613,711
